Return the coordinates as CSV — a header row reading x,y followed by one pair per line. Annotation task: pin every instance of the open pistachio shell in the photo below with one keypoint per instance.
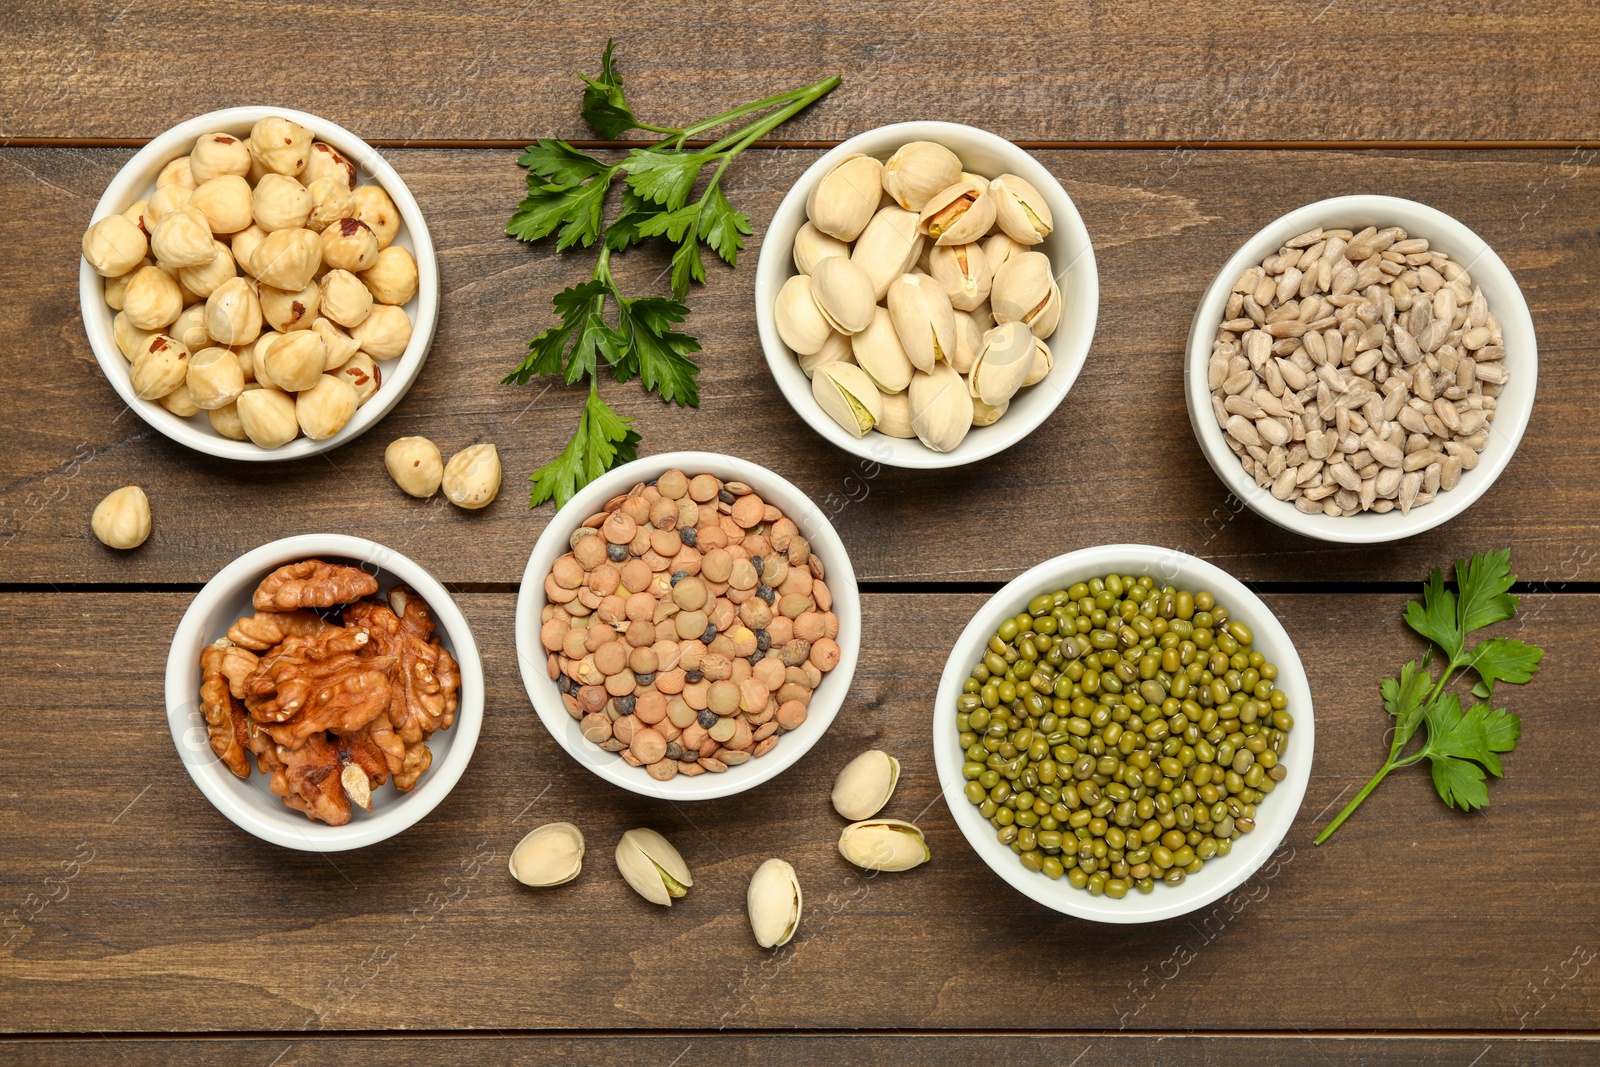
x,y
843,293
800,321
811,246
941,408
959,214
986,415
887,248
963,270
1020,210
866,784
878,351
884,845
837,346
847,394
551,854
969,337
1025,290
1003,363
774,903
923,318
998,248
1044,361
844,199
896,418
918,170
650,864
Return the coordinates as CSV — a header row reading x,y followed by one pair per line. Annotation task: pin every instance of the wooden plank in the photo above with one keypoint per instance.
x,y
1116,462
130,904
498,69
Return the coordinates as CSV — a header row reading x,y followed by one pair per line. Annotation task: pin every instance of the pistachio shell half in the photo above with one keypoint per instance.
x,y
887,248
811,246
799,320
964,272
985,415
847,394
551,854
923,318
896,418
837,346
1020,210
941,408
774,903
878,351
969,338
1003,363
653,868
843,293
884,845
918,170
844,199
959,214
866,784
1025,290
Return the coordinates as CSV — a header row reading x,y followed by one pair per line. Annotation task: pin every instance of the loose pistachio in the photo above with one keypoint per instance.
x,y
1044,361
159,368
877,350
1020,210
392,278
472,477
969,338
1025,291
847,395
363,375
215,378
888,248
811,246
836,347
331,201
114,246
341,346
325,408
152,299
122,519
884,845
655,870
917,171
843,293
549,855
865,784
287,311
923,318
896,418
960,213
215,155
280,145
843,200
324,161
179,171
233,313
800,321
384,333
349,244
415,465
203,280
345,299
226,202
295,361
998,248
1003,364
377,210
986,414
287,259
963,270
774,903
267,416
941,408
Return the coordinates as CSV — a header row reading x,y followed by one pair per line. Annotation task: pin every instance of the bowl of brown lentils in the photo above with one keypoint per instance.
x,y
1124,733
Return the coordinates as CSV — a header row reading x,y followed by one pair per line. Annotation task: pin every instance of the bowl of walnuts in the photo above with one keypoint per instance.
x,y
258,284
324,692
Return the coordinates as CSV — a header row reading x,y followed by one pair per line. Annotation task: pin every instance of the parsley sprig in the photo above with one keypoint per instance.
x,y
635,337
1462,747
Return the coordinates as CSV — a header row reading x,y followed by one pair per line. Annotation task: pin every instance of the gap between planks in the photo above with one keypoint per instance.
x,y
1030,145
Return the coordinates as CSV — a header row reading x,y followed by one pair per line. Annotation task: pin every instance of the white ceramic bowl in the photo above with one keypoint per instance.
x,y
1219,876
1067,246
533,659
1505,303
137,179
248,802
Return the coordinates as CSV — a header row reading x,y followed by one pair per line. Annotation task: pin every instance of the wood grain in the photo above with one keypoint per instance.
x,y
1117,461
1414,917
498,69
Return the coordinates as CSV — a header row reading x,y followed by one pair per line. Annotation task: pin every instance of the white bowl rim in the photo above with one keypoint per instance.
x,y
1510,307
532,658
1277,814
294,830
96,316
1076,337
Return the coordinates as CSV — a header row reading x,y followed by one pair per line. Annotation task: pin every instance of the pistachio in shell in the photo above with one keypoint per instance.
x,y
865,784
845,392
549,855
844,199
877,350
887,248
923,318
800,321
837,346
998,248
1044,361
969,338
1020,210
896,418
812,246
918,170
884,845
964,272
1025,290
959,214
1003,363
650,864
941,408
774,903
987,415
843,293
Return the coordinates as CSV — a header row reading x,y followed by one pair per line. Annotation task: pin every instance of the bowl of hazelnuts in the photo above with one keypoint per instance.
x,y
259,284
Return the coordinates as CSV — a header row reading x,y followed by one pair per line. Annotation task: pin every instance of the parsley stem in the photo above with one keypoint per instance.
x,y
804,96
1366,791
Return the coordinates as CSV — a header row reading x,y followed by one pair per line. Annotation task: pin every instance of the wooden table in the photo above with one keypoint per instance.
x,y
142,927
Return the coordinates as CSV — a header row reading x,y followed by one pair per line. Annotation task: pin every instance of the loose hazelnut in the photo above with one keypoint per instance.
x,y
203,280
225,201
287,259
280,203
472,477
349,244
377,210
129,337
280,145
415,465
162,202
244,244
115,288
225,420
122,519
326,162
114,246
151,299
215,378
295,360
345,299
287,311
190,328
159,368
218,154
384,333
233,313
182,238
341,346
267,416
330,202
363,374
393,278
325,408
179,171
180,402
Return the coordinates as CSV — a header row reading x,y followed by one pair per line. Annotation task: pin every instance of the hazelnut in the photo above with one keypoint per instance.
x,y
280,145
114,246
160,367
218,154
287,259
377,210
280,203
179,171
472,477
180,402
163,201
233,313
122,519
225,420
349,244
341,346
190,328
215,378
415,465
384,333
363,374
330,202
203,280
182,238
226,203
325,161
115,288
393,278
151,299
345,299
295,361
286,311
244,244
267,416
183,290
253,357
129,337
135,214
325,408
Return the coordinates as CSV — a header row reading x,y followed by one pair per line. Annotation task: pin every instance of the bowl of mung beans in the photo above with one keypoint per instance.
x,y
1124,733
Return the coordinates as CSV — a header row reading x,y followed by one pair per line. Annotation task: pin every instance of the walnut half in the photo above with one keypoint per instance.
x,y
311,583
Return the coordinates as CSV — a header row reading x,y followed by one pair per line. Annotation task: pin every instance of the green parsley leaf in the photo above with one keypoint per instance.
x,y
603,439
1501,659
662,353
624,230
1462,746
1404,699
1435,617
721,227
558,163
663,177
568,349
604,106
576,209
1484,600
